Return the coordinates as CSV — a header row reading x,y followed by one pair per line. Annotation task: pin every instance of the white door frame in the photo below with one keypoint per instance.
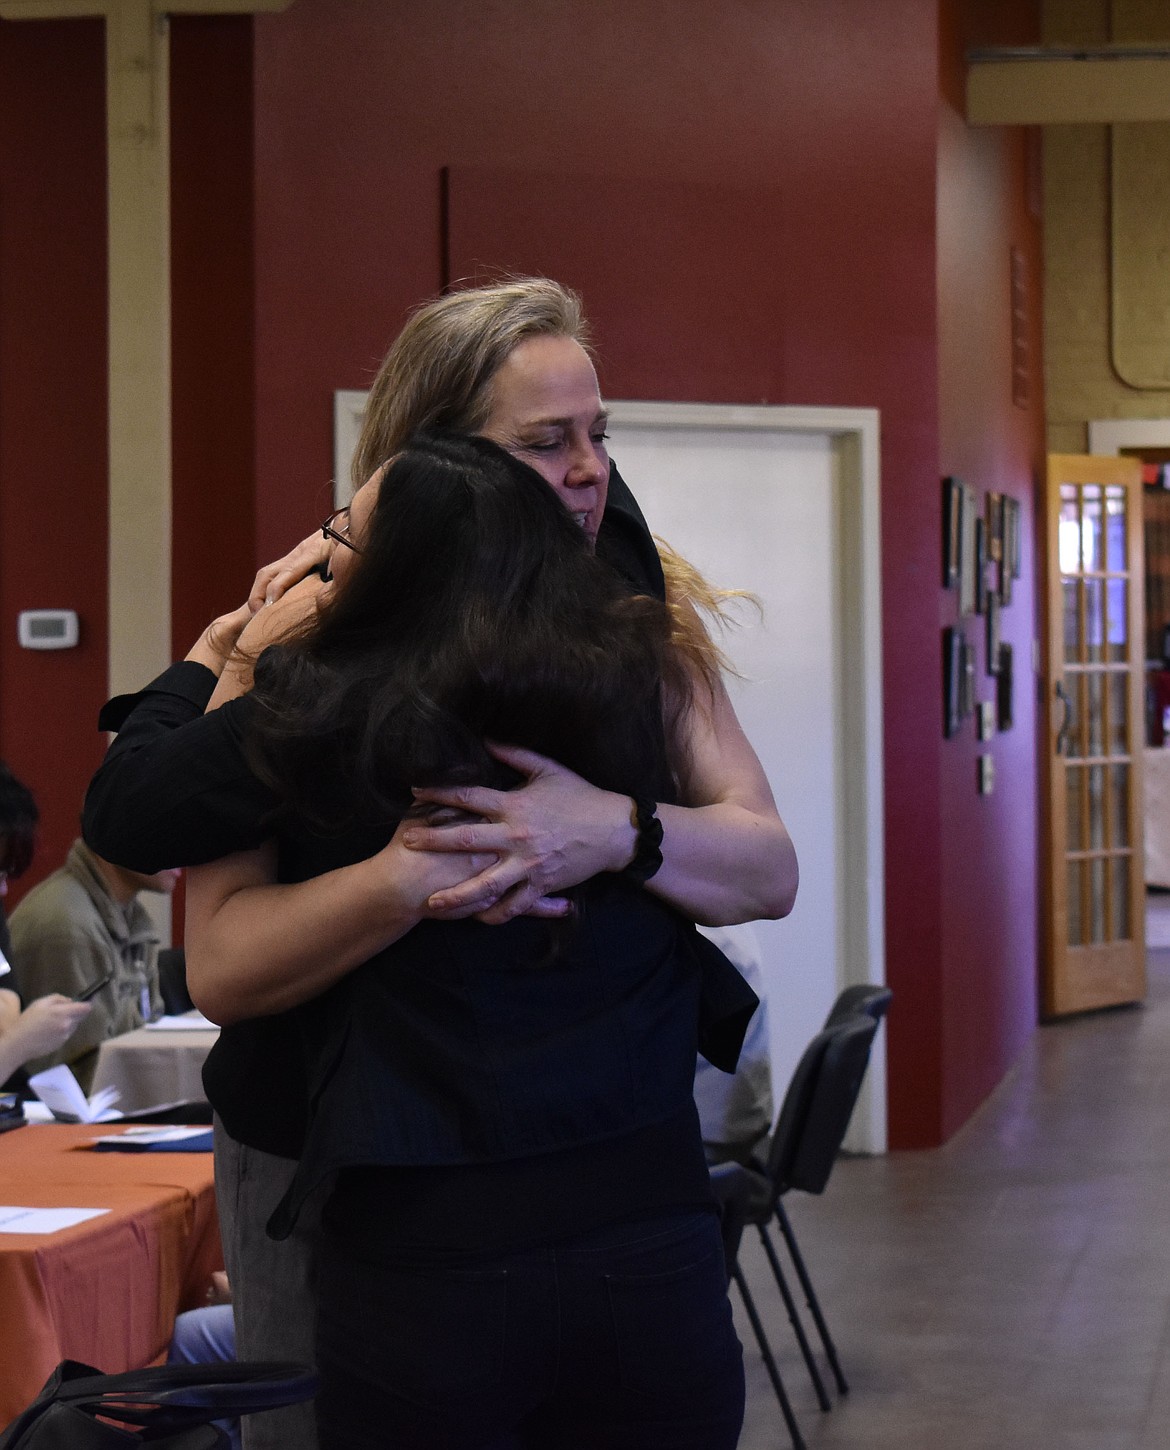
x,y
1108,436
853,434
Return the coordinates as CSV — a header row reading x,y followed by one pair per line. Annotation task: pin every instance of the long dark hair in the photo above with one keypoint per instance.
x,y
476,611
18,824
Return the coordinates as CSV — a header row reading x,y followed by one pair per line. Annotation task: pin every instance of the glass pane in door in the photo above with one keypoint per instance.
x,y
1097,840
1074,784
1118,714
1094,712
1115,523
1094,619
1092,534
1117,630
1071,621
1097,899
1122,836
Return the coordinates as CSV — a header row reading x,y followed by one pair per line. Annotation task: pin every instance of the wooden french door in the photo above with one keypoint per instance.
x,y
1096,734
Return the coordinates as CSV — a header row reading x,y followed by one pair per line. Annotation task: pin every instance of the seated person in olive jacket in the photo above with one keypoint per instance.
x,y
83,930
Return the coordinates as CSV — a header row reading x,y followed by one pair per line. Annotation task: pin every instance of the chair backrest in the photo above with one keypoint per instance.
x,y
794,1110
172,981
818,1105
732,1186
864,999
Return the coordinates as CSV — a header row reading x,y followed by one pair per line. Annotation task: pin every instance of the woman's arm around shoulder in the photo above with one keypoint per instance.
x,y
256,946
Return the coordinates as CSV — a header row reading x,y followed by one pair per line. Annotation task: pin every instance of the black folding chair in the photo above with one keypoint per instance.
x,y
172,981
801,1152
865,999
738,1190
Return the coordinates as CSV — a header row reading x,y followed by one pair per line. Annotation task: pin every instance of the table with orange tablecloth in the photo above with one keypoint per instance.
x,y
106,1291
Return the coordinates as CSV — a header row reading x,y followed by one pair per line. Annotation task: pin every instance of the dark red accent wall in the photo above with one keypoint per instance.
x,y
53,410
213,366
988,185
667,324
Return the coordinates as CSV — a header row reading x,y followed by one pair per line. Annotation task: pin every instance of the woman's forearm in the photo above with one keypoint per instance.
x,y
255,947
723,864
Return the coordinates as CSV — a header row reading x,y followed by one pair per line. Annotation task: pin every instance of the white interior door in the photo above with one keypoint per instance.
x,y
776,510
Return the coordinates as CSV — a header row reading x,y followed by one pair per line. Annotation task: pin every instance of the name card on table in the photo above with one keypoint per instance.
x,y
16,1220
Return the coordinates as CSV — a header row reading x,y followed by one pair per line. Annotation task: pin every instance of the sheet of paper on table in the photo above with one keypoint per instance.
x,y
17,1220
138,1140
188,1022
60,1091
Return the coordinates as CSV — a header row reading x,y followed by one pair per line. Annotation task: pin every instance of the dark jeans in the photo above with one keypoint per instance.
x,y
618,1340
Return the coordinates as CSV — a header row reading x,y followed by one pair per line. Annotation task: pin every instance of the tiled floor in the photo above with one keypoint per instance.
x,y
1010,1291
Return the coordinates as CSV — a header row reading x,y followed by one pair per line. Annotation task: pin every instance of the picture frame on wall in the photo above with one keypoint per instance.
x,y
993,512
966,679
1003,688
952,514
1010,565
970,512
980,566
952,660
993,641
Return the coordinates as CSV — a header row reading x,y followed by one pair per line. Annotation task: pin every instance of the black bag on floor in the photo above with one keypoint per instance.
x,y
169,1407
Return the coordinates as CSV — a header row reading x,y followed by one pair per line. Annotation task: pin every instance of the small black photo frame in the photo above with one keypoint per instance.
x,y
967,551
952,659
1003,688
992,632
966,679
952,530
1009,568
994,516
980,567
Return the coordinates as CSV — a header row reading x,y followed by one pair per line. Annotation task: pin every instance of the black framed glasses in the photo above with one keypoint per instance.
x,y
336,527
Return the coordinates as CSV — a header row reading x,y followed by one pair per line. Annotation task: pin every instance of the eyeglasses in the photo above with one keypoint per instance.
x,y
339,535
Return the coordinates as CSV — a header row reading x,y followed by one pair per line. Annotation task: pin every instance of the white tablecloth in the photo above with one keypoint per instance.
x,y
149,1067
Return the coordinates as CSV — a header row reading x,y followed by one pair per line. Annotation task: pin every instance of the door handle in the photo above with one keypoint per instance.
x,y
1062,734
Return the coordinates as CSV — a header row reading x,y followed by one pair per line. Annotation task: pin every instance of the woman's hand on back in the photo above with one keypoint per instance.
x,y
553,832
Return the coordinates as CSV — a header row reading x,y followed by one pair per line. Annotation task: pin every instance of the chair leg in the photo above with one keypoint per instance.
x,y
811,1298
794,1318
769,1362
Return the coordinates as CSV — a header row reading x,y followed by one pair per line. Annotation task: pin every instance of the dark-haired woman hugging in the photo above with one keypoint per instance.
x,y
519,1246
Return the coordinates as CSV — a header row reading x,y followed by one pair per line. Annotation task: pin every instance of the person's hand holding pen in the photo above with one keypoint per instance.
x,y
45,1025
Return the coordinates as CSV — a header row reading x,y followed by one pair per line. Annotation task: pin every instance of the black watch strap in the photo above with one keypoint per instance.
x,y
648,853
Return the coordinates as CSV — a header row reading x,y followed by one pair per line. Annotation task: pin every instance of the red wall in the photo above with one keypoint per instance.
x,y
53,410
987,179
213,371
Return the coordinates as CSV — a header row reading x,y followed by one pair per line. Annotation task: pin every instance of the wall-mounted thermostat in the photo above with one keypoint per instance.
x,y
48,628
